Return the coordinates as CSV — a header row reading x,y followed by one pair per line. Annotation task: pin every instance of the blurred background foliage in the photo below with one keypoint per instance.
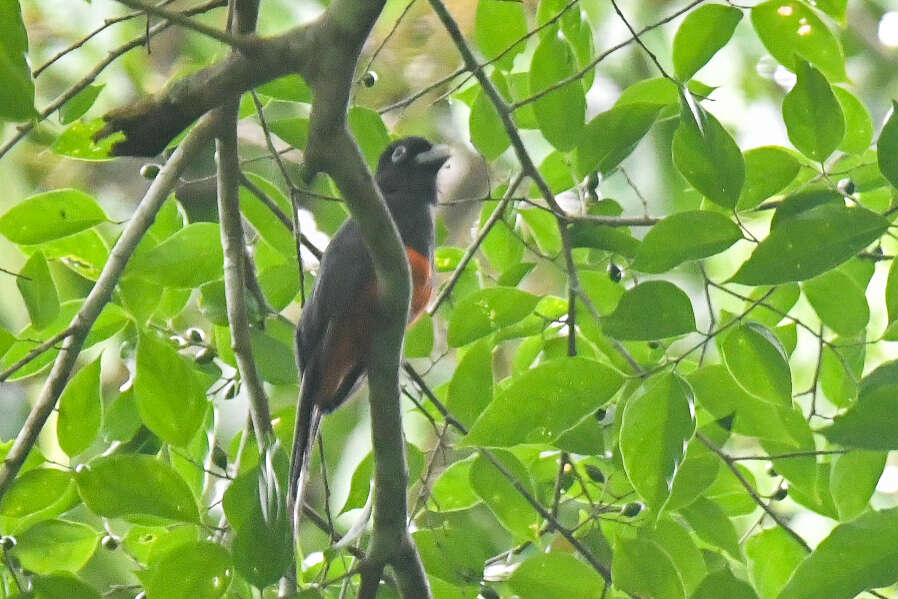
x,y
408,52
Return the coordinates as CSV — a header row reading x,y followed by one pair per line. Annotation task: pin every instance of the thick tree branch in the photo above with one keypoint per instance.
x,y
98,297
233,243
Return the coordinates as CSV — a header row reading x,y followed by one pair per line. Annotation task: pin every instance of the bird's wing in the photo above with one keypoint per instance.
x,y
344,270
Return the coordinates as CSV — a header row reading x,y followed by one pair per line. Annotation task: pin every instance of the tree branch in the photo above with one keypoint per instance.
x,y
244,44
99,296
233,243
751,491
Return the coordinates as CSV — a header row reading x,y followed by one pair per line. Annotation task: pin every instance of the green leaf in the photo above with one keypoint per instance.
x,y
871,423
543,226
36,495
369,131
655,429
75,108
674,539
792,32
171,400
729,493
724,584
555,575
80,410
63,586
834,8
274,357
453,553
6,341
706,155
839,302
705,30
769,576
757,361
498,25
858,124
651,310
187,259
17,95
419,338
511,509
110,321
78,142
135,485
38,290
696,472
263,546
613,135
486,311
857,555
85,252
269,226
815,241
471,387
641,568
683,237
50,215
840,372
487,131
797,203
892,291
452,490
538,405
201,570
294,131
561,112
501,246
813,115
886,150
712,525
768,170
291,88
55,545
853,479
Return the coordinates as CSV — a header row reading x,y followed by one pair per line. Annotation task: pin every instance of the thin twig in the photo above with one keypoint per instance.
x,y
751,490
31,355
592,64
232,240
112,56
471,250
242,43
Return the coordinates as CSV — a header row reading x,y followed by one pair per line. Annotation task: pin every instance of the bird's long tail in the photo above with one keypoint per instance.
x,y
308,421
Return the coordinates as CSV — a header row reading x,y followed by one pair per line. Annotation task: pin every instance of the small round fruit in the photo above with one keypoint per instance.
x,y
631,510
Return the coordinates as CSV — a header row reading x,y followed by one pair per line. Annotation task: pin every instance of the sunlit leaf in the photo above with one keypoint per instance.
x,y
50,215
536,408
651,310
815,241
705,30
654,432
685,236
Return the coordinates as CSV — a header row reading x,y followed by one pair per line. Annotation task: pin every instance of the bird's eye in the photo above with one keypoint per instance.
x,y
399,153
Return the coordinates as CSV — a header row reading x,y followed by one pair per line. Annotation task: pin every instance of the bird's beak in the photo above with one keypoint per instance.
x,y
435,156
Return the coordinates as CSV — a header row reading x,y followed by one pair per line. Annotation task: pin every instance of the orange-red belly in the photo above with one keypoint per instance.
x,y
350,339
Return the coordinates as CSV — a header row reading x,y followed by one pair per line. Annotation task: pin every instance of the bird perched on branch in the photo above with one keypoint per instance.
x,y
333,338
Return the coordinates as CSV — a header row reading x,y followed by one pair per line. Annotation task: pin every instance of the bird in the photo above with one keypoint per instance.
x,y
334,331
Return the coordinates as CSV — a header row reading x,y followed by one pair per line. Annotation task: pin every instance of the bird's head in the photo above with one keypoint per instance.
x,y
411,164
